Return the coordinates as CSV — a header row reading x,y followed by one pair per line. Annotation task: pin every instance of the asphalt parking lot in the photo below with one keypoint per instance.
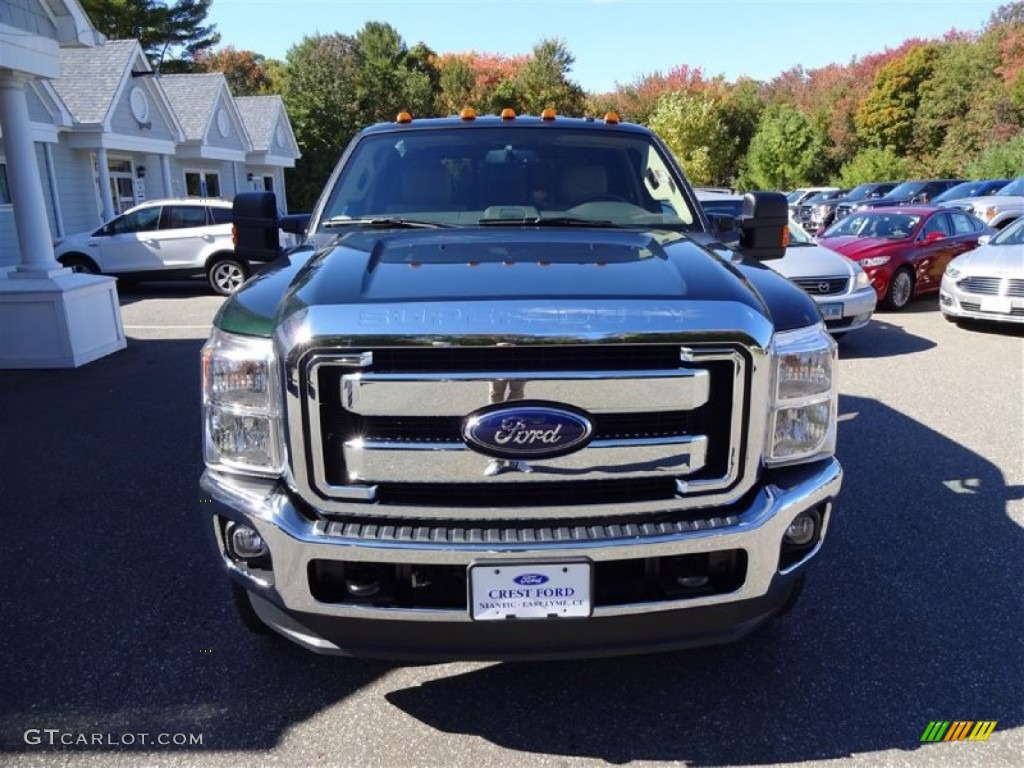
x,y
117,620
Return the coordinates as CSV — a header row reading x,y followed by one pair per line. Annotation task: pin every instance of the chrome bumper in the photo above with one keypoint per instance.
x,y
757,527
958,304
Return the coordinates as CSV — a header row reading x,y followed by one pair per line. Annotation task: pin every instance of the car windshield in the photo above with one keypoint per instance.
x,y
888,226
1012,235
498,175
797,236
1015,187
860,192
966,189
795,195
906,189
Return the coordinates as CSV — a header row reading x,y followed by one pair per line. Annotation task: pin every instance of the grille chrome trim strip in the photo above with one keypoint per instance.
x,y
374,461
456,394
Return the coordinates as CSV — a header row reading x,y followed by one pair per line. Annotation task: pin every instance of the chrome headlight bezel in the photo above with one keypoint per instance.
x,y
861,279
242,405
953,273
804,397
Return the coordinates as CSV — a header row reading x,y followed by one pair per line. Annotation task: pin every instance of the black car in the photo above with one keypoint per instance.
x,y
802,212
919,191
970,189
824,213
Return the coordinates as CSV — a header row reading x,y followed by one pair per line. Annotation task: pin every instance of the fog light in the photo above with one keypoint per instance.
x,y
801,531
245,543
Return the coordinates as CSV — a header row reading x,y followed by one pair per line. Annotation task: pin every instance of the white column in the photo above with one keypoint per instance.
x,y
26,185
282,199
234,175
165,167
103,168
51,176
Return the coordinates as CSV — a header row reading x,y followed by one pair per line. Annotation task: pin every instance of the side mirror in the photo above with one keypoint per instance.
x,y
295,223
256,227
764,225
984,239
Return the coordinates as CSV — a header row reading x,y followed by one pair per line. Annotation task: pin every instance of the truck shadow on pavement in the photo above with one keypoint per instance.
x,y
913,613
117,619
881,339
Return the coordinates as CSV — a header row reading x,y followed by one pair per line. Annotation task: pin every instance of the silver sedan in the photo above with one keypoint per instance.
x,y
988,282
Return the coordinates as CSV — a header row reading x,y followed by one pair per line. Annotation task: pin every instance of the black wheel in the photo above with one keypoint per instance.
x,y
901,290
247,613
226,275
81,264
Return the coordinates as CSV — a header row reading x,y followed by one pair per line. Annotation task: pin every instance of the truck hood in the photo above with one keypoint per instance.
x,y
426,279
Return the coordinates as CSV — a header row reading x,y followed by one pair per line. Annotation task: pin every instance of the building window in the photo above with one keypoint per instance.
x,y
202,184
5,190
268,183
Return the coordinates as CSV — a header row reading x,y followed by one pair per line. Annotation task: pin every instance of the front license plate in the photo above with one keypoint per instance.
x,y
832,311
500,590
1000,304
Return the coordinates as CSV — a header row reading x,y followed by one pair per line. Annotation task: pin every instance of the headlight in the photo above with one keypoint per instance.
x,y
802,425
952,272
874,261
241,404
861,280
987,213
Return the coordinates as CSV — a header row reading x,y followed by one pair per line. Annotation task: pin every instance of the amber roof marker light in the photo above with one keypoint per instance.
x,y
467,113
548,114
508,114
611,118
403,117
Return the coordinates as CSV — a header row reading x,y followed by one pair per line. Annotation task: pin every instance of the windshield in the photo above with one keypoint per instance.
x,y
797,236
795,195
860,192
888,226
467,176
966,189
906,189
1012,235
1015,187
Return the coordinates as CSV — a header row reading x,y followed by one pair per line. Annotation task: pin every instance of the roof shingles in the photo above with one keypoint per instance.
x,y
193,98
260,115
89,78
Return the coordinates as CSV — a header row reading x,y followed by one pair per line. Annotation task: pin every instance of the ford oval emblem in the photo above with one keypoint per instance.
x,y
530,579
527,431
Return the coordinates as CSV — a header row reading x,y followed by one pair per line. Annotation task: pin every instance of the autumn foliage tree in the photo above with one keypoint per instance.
x,y
247,72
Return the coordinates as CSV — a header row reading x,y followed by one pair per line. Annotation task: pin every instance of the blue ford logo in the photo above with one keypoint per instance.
x,y
530,579
535,431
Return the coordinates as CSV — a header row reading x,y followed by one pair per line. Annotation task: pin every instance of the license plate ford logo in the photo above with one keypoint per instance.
x,y
529,431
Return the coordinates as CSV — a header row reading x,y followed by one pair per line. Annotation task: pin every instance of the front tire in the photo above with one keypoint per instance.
x,y
226,275
900,291
79,264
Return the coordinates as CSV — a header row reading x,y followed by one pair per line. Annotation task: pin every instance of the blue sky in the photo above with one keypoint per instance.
x,y
618,40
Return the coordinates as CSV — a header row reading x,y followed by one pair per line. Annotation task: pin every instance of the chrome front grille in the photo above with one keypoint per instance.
x,y
992,286
823,286
667,423
972,306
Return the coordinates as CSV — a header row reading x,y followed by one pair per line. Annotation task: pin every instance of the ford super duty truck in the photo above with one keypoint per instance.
x,y
512,398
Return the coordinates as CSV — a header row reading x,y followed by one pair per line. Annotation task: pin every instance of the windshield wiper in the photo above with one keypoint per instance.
x,y
548,221
381,222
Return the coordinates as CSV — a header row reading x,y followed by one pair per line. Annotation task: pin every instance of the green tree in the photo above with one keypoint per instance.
x,y
999,161
785,152
886,117
873,164
543,81
457,84
173,34
389,78
321,93
693,127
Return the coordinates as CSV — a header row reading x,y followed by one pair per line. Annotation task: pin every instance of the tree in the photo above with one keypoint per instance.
x,y
1000,161
171,34
543,81
389,78
873,164
886,117
786,151
247,72
322,98
694,129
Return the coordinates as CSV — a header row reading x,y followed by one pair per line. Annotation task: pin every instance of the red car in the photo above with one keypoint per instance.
x,y
904,250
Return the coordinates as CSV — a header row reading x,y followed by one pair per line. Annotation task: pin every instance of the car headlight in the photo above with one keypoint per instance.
x,y
802,425
874,261
861,280
952,272
242,429
987,213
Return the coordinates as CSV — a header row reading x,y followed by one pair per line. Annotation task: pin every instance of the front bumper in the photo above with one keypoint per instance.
x,y
858,306
282,596
958,304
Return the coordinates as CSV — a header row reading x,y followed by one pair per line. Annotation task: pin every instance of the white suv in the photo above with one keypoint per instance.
x,y
161,239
